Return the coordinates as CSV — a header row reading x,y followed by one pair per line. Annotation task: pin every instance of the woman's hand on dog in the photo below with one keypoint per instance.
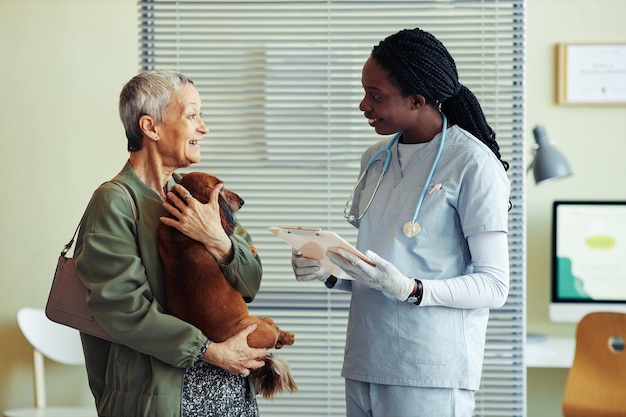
x,y
199,221
234,355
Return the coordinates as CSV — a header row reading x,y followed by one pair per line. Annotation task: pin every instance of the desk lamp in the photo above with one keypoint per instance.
x,y
549,164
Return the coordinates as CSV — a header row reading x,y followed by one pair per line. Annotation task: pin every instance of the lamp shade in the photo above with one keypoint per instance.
x,y
549,163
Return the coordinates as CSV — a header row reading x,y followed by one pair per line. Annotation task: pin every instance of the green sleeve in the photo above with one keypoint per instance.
x,y
244,272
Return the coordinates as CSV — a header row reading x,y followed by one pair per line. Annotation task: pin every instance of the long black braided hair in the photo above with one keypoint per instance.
x,y
418,63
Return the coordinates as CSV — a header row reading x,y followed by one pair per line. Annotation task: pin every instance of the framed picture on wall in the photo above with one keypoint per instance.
x,y
590,73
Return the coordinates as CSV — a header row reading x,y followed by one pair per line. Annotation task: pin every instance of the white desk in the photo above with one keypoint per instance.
x,y
550,352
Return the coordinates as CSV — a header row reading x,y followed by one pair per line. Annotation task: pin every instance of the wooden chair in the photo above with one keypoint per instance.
x,y
596,383
55,342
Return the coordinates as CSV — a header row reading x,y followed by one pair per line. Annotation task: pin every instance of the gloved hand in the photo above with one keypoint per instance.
x,y
382,276
307,269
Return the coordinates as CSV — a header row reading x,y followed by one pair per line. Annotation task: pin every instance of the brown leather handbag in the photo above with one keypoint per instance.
x,y
67,302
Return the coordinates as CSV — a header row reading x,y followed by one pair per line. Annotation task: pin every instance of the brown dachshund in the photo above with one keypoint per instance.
x,y
197,291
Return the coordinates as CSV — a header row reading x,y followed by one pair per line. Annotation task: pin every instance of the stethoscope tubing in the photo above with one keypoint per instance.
x,y
387,152
432,169
388,156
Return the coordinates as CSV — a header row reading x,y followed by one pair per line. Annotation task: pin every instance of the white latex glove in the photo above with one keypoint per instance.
x,y
307,269
382,276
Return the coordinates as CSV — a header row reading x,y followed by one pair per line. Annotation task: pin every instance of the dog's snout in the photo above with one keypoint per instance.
x,y
241,202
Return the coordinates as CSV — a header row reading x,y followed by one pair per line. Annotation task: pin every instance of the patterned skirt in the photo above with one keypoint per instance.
x,y
209,391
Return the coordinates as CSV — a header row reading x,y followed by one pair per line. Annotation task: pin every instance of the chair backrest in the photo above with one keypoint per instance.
x,y
52,340
596,383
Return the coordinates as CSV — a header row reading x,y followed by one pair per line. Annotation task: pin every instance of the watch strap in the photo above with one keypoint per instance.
x,y
416,297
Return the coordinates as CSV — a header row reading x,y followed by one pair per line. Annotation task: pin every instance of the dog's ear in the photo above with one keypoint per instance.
x,y
227,216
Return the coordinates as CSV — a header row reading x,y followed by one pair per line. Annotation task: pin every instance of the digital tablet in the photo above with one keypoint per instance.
x,y
314,243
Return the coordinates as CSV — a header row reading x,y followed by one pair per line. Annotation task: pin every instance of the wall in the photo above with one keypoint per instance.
x,y
594,143
62,64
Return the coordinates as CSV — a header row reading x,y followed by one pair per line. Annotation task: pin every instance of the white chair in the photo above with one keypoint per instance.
x,y
58,343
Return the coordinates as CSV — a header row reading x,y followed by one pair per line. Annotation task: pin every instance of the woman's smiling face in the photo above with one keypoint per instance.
x,y
182,130
386,109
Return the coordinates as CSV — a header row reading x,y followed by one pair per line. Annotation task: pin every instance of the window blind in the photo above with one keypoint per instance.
x,y
280,84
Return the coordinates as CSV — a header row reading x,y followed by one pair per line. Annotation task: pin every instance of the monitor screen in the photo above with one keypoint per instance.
x,y
588,258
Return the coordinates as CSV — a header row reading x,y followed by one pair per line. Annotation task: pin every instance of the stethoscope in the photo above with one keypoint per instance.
x,y
412,227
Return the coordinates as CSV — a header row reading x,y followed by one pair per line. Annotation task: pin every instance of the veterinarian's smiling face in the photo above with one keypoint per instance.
x,y
383,104
182,131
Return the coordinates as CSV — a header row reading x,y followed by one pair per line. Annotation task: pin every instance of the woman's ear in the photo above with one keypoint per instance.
x,y
148,127
418,101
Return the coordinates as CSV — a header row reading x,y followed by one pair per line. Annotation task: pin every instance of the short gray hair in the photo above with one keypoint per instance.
x,y
147,93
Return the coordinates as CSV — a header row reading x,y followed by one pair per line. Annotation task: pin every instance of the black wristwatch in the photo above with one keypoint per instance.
x,y
416,298
330,281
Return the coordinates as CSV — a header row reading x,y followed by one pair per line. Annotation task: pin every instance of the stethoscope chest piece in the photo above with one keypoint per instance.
x,y
411,228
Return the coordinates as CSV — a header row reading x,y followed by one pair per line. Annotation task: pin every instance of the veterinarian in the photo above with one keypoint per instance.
x,y
162,366
436,230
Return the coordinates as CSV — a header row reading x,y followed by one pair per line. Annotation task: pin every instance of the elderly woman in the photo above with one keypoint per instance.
x,y
161,366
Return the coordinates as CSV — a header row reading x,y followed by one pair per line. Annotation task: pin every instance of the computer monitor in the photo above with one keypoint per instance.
x,y
588,258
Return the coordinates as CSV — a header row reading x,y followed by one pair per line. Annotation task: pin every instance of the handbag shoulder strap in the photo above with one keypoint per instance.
x,y
133,207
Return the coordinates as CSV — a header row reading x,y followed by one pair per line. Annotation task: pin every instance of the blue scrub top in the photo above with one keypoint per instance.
x,y
398,343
